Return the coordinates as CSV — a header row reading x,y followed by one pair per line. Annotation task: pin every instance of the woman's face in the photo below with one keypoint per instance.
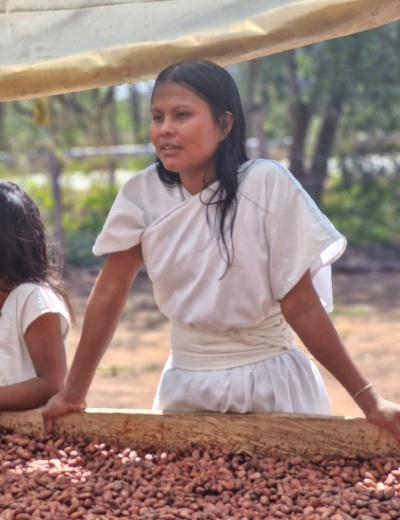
x,y
184,134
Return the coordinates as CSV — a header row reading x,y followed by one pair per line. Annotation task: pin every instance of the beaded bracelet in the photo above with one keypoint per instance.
x,y
369,385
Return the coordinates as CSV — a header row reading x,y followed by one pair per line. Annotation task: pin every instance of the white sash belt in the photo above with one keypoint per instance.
x,y
195,349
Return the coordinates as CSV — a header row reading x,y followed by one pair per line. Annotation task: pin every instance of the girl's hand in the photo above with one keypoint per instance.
x,y
57,406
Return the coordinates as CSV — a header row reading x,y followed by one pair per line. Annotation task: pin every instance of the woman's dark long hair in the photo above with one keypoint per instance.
x,y
218,89
23,249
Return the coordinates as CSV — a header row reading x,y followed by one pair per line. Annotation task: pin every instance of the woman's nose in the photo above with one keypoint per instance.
x,y
166,126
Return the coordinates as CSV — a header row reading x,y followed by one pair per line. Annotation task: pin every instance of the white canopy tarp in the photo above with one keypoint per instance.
x,y
57,46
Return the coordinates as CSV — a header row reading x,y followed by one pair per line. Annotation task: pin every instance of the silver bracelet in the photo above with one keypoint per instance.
x,y
369,385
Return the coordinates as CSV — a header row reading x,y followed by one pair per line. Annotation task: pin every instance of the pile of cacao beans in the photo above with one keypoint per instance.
x,y
71,477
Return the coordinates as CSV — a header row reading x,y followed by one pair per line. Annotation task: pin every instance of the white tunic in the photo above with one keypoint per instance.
x,y
23,306
279,233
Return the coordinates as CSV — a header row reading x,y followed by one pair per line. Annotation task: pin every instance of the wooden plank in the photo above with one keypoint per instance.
x,y
262,434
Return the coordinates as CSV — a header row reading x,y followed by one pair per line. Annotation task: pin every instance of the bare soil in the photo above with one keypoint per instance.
x,y
366,316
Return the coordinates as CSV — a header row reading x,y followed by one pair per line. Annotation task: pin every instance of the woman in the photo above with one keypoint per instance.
x,y
239,255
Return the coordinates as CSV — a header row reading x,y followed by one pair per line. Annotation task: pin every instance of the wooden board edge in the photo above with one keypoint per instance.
x,y
258,434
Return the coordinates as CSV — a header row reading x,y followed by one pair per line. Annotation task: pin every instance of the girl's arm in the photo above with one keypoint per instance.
x,y
104,307
304,312
46,349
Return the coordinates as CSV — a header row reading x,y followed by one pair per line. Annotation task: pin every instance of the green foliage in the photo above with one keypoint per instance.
x,y
366,212
139,163
41,194
84,215
21,132
88,165
5,172
356,76
104,163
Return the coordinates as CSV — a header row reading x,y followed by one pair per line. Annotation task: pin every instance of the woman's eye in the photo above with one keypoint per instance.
x,y
156,117
182,114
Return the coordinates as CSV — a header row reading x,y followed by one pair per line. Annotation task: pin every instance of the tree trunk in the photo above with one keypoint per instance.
x,y
254,110
323,149
134,103
299,123
100,106
55,168
300,119
112,120
3,143
114,137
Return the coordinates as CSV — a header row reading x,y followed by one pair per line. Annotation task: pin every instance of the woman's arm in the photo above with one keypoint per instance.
x,y
47,351
304,312
104,307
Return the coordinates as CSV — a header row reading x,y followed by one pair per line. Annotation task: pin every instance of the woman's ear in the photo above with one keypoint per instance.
x,y
226,123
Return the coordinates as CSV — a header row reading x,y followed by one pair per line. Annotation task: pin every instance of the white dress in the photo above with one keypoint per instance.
x,y
231,349
24,304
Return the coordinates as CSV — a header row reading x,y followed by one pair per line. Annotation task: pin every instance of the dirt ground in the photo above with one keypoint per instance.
x,y
366,315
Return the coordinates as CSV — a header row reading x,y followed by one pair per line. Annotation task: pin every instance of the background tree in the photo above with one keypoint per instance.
x,y
93,112
329,86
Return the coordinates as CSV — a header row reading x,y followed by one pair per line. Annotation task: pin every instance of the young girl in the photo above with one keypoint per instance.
x,y
239,256
34,310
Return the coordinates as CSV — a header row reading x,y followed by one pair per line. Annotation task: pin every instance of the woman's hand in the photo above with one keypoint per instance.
x,y
383,413
57,406
302,309
103,310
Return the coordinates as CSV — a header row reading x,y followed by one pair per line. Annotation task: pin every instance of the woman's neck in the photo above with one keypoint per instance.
x,y
195,185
